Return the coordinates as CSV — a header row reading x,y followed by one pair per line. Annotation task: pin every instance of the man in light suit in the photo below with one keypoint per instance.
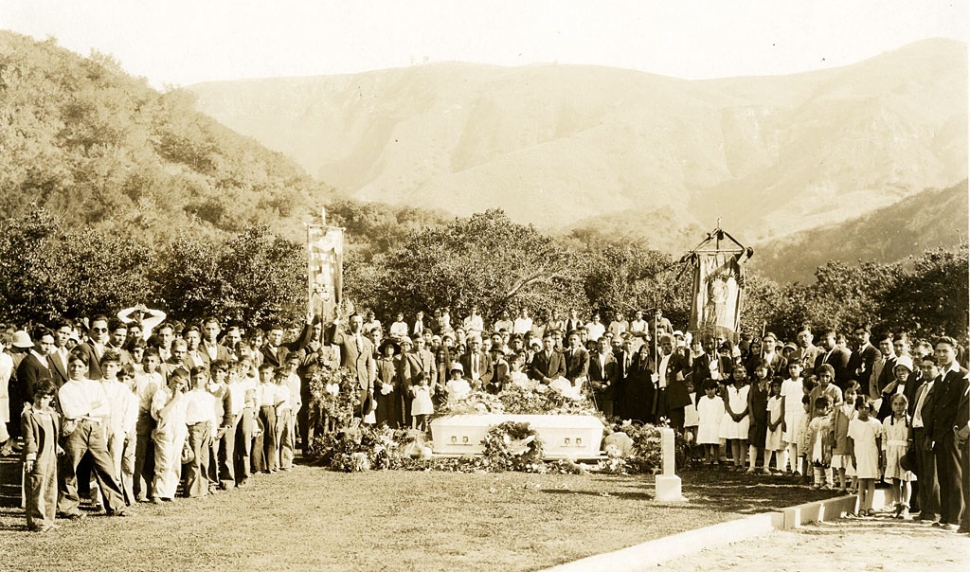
x,y
548,363
805,351
357,355
950,387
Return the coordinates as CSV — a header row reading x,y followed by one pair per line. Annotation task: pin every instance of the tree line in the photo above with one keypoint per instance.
x,y
255,277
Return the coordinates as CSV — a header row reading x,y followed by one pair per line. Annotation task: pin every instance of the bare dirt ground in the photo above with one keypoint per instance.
x,y
850,544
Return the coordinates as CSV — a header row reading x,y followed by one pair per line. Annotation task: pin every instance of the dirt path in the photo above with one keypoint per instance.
x,y
852,545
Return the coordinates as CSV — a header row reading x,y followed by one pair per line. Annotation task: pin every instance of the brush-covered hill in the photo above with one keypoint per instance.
x,y
597,147
931,219
97,147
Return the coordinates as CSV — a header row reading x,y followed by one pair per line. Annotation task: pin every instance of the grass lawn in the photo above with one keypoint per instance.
x,y
316,519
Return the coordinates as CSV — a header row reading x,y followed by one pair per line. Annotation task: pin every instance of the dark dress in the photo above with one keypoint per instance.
x,y
637,391
758,410
389,407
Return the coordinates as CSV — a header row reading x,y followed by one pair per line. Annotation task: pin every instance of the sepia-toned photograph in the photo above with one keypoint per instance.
x,y
484,286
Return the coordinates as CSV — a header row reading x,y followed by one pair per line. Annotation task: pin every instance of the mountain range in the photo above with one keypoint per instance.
x,y
623,152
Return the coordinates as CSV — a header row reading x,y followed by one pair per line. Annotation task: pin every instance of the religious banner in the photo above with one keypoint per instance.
x,y
716,303
717,294
325,246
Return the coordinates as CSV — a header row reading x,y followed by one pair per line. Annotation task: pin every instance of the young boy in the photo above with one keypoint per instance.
x,y
223,439
287,427
820,437
265,446
40,428
242,386
147,385
200,408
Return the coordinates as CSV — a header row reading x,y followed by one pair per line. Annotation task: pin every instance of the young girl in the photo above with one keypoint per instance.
x,y
758,408
804,437
775,439
691,419
421,406
792,392
897,439
820,446
842,415
865,432
710,410
735,422
168,410
40,427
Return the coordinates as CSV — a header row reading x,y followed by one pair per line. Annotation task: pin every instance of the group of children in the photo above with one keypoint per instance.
x,y
806,423
144,430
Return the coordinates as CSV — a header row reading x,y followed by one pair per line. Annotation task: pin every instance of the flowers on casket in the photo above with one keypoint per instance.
x,y
522,381
566,388
386,388
457,389
332,388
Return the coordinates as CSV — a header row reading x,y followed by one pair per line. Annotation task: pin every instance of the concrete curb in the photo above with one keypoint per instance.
x,y
654,552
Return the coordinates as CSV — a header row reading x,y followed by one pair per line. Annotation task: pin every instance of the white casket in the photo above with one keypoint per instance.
x,y
563,436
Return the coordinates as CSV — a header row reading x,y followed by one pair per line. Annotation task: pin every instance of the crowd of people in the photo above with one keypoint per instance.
x,y
149,407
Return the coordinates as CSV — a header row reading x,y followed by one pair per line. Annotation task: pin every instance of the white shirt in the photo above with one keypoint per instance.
x,y
282,399
662,372
146,386
595,330
294,384
918,415
399,329
123,405
83,398
474,324
200,407
521,325
237,391
266,394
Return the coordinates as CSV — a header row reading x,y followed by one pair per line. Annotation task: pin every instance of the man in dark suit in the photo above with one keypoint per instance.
x,y
863,357
357,355
922,410
961,431
603,375
577,360
835,356
710,364
95,345
33,370
672,394
548,363
210,345
59,354
949,388
476,363
882,369
275,350
805,351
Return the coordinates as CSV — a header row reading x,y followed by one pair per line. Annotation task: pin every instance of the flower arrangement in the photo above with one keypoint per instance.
x,y
512,446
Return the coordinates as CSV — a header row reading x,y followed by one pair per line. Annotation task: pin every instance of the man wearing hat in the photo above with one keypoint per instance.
x,y
357,355
7,369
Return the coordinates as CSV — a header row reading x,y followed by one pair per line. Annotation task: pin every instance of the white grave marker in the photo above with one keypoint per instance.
x,y
667,483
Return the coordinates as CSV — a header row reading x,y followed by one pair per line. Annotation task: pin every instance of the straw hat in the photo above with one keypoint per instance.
x,y
21,339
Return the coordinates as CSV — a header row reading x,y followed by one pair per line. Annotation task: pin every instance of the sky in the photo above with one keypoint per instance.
x,y
182,42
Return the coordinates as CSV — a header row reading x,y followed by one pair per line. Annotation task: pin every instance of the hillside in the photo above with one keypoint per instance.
x,y
933,219
565,145
93,145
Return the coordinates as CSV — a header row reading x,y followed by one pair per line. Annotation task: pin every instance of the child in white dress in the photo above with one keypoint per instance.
x,y
710,410
691,420
897,439
775,439
792,392
734,423
865,432
421,405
